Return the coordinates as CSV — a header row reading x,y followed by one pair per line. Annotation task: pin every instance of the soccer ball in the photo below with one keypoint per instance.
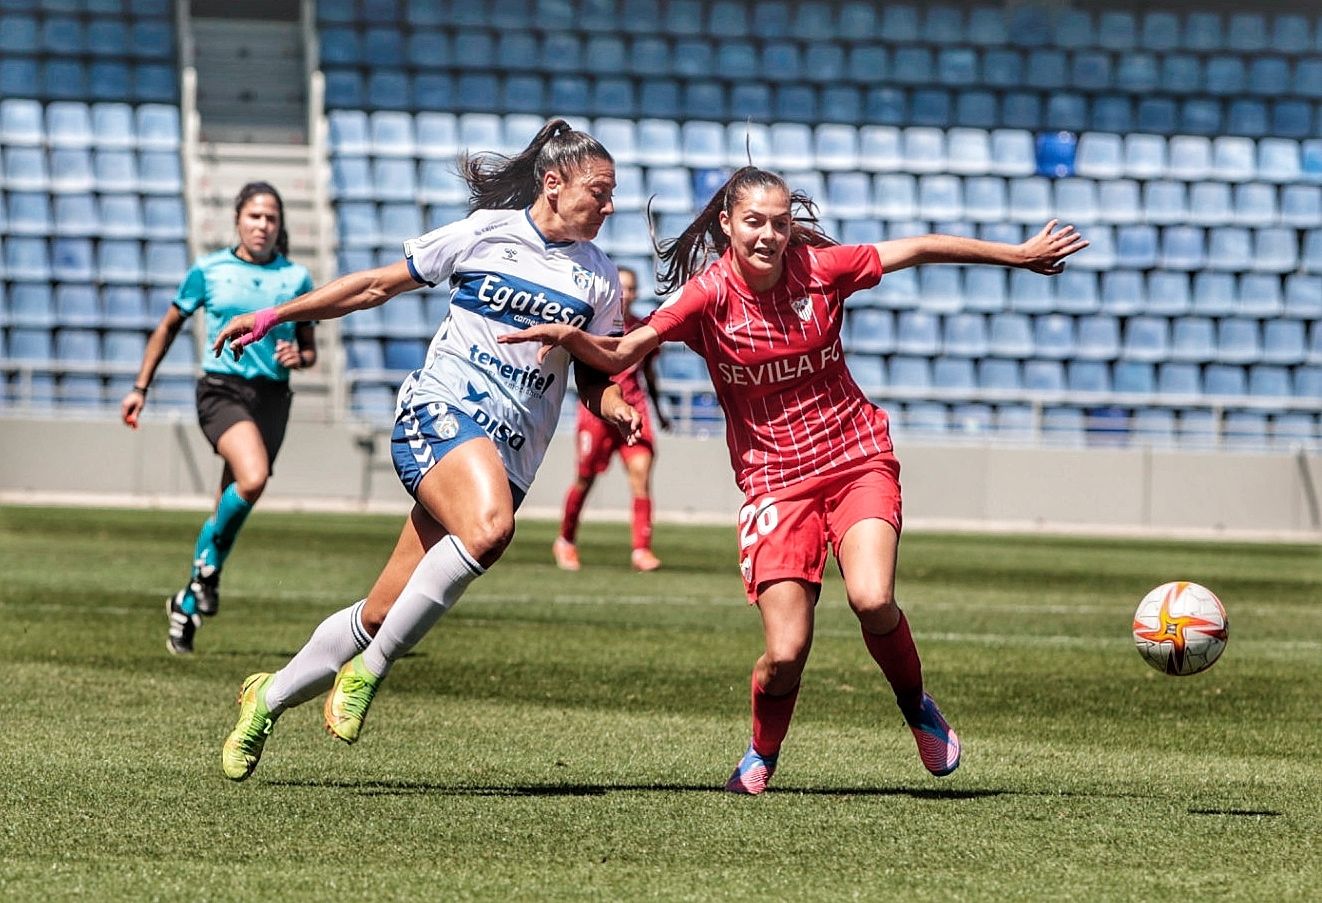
x,y
1181,628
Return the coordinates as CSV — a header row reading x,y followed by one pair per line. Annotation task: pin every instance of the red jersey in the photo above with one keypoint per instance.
x,y
792,409
631,387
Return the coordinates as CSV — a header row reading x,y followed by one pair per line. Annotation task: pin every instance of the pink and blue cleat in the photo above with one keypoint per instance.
x,y
938,744
752,773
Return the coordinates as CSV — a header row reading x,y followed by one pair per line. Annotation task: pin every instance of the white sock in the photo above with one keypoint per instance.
x,y
436,584
312,669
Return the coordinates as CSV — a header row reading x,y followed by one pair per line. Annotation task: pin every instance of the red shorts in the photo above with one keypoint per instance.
x,y
784,534
598,440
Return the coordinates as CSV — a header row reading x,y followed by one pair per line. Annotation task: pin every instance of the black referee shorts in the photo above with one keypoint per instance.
x,y
224,400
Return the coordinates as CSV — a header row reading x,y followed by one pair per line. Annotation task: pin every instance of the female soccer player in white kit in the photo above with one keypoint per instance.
x,y
473,423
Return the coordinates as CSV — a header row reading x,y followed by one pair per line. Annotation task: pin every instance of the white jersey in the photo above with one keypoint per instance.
x,y
504,276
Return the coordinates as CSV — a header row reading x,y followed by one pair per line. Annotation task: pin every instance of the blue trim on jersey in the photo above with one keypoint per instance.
x,y
527,212
417,277
517,302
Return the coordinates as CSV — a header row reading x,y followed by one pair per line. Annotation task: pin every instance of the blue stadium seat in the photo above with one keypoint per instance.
x,y
1010,335
1275,250
126,308
1283,342
1260,296
1133,378
1254,204
940,198
357,223
119,261
984,199
404,318
1238,341
1193,340
1000,376
1213,294
159,172
953,374
27,259
404,354
1137,73
1122,293
31,305
985,289
1146,339
1030,200
1087,377
341,47
155,83
964,335
1136,247
917,333
1278,160
28,213
1303,297
113,127
1030,293
1098,338
910,372
1076,292
1182,248
1053,336
344,89
895,196
1229,249
939,289
109,80
1047,377
1179,379
1165,202
1224,380
1099,155
869,331
122,350
121,216
71,260
1247,32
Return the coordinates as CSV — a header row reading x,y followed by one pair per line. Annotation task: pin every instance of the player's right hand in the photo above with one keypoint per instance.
x,y
551,335
233,333
131,408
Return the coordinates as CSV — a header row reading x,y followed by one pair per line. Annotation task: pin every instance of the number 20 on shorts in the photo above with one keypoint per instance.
x,y
757,520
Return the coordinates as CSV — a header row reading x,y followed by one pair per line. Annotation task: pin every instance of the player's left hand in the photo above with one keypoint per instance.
x,y
288,355
624,418
1046,251
551,335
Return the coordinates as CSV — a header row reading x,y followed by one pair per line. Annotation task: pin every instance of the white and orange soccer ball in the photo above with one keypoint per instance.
x,y
1181,628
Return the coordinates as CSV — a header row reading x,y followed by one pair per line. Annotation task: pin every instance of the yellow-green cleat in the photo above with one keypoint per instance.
x,y
243,747
348,701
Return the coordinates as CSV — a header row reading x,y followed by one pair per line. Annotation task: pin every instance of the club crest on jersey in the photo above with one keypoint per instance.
x,y
803,307
582,277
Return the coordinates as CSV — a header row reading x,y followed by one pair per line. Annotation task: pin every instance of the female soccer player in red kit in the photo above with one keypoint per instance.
x,y
598,441
811,453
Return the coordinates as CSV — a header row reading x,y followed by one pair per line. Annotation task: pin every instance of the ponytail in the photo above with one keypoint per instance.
x,y
251,190
498,182
684,257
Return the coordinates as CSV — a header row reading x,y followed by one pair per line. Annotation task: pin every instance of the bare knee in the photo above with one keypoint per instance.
x,y
780,670
489,537
251,486
878,612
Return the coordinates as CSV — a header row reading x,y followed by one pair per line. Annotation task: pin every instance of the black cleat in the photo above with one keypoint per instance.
x,y
182,626
205,588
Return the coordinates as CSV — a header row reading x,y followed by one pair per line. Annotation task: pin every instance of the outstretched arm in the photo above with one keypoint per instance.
x,y
605,353
1043,253
356,291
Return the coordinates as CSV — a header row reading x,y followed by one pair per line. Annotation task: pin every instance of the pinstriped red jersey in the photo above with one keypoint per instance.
x,y
792,409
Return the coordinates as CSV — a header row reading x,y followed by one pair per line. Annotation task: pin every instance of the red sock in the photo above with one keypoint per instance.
x,y
771,718
898,658
642,523
573,508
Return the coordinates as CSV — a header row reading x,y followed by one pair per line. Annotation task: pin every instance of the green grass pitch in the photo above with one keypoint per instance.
x,y
564,737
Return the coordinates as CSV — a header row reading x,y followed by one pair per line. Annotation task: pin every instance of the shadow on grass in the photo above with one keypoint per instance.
x,y
1242,813
422,788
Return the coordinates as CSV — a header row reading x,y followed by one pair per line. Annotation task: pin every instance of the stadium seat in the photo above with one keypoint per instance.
x,y
119,261
1146,339
1224,380
1182,248
159,172
71,260
126,308
1238,341
1210,205
1193,340
1260,296
1145,156
1283,342
1029,200
1278,160
1053,336
658,143
1275,250
1156,115
1303,297
895,196
985,289
1122,292
1118,201
1213,294
940,198
1178,379
1229,249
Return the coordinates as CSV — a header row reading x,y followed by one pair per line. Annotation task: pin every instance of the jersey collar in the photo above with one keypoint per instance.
x,y
527,214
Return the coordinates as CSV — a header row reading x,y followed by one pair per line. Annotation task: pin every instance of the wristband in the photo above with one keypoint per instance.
x,y
141,390
263,321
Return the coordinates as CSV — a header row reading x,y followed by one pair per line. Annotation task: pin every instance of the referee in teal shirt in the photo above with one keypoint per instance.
x,y
243,404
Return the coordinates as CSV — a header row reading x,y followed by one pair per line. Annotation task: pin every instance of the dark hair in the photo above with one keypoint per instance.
x,y
251,190
684,256
498,182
